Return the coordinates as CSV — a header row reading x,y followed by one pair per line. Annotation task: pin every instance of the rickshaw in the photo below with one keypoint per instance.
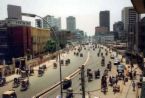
x,y
54,65
90,76
103,62
24,84
61,62
81,55
16,82
97,74
77,54
44,66
67,83
116,88
109,66
2,81
40,72
104,84
23,74
67,61
9,94
31,71
69,93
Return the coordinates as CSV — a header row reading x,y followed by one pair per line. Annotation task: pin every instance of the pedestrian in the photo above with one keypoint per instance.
x,y
116,81
17,71
134,74
133,85
110,80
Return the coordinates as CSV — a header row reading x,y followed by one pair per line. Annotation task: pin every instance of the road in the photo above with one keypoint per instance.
x,y
94,64
94,86
51,76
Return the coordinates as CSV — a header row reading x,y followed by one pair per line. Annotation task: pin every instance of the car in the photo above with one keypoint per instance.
x,y
116,61
9,94
120,68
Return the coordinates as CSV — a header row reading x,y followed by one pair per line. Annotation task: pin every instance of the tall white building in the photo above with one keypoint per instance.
x,y
71,23
14,12
129,17
52,21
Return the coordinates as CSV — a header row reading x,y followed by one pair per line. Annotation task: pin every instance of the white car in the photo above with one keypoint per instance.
x,y
116,61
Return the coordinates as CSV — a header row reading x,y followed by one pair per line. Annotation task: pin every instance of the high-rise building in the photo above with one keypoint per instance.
x,y
14,12
105,19
130,19
52,21
118,28
71,23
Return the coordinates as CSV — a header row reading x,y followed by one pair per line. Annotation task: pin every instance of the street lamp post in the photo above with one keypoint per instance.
x,y
57,45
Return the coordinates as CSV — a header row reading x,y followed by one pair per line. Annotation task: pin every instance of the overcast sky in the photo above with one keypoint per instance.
x,y
85,11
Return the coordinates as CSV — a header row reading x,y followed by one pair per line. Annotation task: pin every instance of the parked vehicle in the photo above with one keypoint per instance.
x,y
9,94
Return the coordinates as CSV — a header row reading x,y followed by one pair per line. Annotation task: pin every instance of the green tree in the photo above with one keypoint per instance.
x,y
50,46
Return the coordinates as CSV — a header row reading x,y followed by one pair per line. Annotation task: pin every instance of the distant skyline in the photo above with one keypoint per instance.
x,y
85,11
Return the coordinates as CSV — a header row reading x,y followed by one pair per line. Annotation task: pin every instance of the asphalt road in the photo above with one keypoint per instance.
x,y
94,63
50,77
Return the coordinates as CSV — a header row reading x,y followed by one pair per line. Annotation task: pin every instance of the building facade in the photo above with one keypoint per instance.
x,y
118,27
141,37
14,12
52,21
130,19
39,23
14,22
71,23
17,40
99,30
105,19
39,39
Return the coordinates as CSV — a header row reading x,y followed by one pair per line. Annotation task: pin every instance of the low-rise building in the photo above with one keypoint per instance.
x,y
39,39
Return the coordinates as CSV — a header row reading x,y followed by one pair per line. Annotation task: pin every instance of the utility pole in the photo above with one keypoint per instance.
x,y
83,81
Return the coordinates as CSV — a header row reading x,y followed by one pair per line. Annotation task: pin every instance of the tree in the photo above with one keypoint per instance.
x,y
50,46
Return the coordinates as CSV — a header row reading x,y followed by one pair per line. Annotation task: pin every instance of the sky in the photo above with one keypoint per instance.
x,y
85,11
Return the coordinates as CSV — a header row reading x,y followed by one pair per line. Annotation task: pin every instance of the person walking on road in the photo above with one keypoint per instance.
x,y
133,85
